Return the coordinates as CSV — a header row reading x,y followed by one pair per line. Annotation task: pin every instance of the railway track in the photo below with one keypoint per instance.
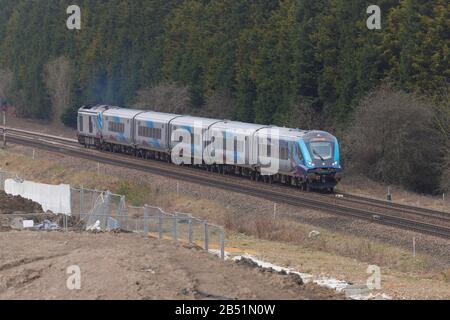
x,y
416,219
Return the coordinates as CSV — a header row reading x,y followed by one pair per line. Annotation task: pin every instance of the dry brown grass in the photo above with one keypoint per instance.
x,y
260,225
360,185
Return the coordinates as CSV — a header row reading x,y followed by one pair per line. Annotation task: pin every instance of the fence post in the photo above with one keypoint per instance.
x,y
222,243
205,227
174,226
125,214
106,208
190,231
160,231
121,210
81,202
94,198
1,181
146,220
65,222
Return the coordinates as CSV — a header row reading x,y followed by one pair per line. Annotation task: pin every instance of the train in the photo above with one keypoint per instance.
x,y
307,159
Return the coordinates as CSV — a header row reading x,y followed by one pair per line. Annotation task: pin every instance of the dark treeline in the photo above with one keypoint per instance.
x,y
299,63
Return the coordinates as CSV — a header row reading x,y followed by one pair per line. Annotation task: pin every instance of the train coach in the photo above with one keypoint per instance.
x,y
307,159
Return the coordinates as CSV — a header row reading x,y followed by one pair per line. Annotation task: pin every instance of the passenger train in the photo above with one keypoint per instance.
x,y
306,159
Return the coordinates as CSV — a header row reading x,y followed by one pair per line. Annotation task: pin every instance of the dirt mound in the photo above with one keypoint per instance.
x,y
10,204
129,266
293,277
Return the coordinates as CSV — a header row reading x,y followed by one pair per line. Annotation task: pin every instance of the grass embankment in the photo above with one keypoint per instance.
x,y
283,240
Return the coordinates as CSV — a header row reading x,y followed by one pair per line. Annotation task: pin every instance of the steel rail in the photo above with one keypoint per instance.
x,y
295,200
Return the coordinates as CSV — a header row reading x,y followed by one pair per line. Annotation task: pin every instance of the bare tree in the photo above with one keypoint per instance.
x,y
303,116
58,79
220,104
164,98
393,139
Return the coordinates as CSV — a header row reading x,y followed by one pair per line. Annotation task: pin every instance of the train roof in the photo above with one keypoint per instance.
x,y
96,109
157,116
239,126
188,120
317,134
282,132
122,113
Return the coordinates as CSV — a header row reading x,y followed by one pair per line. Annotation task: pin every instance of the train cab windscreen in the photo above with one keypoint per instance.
x,y
321,150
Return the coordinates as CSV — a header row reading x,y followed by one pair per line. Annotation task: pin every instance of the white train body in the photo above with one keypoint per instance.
x,y
303,158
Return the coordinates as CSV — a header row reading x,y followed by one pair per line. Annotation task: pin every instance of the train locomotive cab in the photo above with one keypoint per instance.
x,y
89,124
321,168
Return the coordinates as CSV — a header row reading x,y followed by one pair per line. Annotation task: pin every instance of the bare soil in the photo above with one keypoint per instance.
x,y
10,204
33,265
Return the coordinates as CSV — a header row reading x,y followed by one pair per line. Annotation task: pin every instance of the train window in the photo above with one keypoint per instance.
x,y
321,150
284,153
299,154
116,127
153,133
80,122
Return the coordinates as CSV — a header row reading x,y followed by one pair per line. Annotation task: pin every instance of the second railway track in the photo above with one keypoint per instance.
x,y
377,211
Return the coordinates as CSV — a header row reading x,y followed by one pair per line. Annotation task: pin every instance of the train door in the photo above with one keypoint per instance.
x,y
91,125
247,151
224,147
235,150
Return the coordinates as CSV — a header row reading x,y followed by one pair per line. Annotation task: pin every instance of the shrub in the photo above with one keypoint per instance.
x,y
392,139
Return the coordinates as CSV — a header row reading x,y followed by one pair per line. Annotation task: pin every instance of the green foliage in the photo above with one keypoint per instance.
x,y
135,194
270,55
117,52
273,58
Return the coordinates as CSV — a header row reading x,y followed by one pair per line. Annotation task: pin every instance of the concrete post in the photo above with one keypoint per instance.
x,y
81,202
4,128
174,227
160,230
222,243
146,229
205,227
190,231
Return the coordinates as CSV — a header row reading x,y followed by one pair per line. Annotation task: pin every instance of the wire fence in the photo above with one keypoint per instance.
x,y
95,210
3,177
106,211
